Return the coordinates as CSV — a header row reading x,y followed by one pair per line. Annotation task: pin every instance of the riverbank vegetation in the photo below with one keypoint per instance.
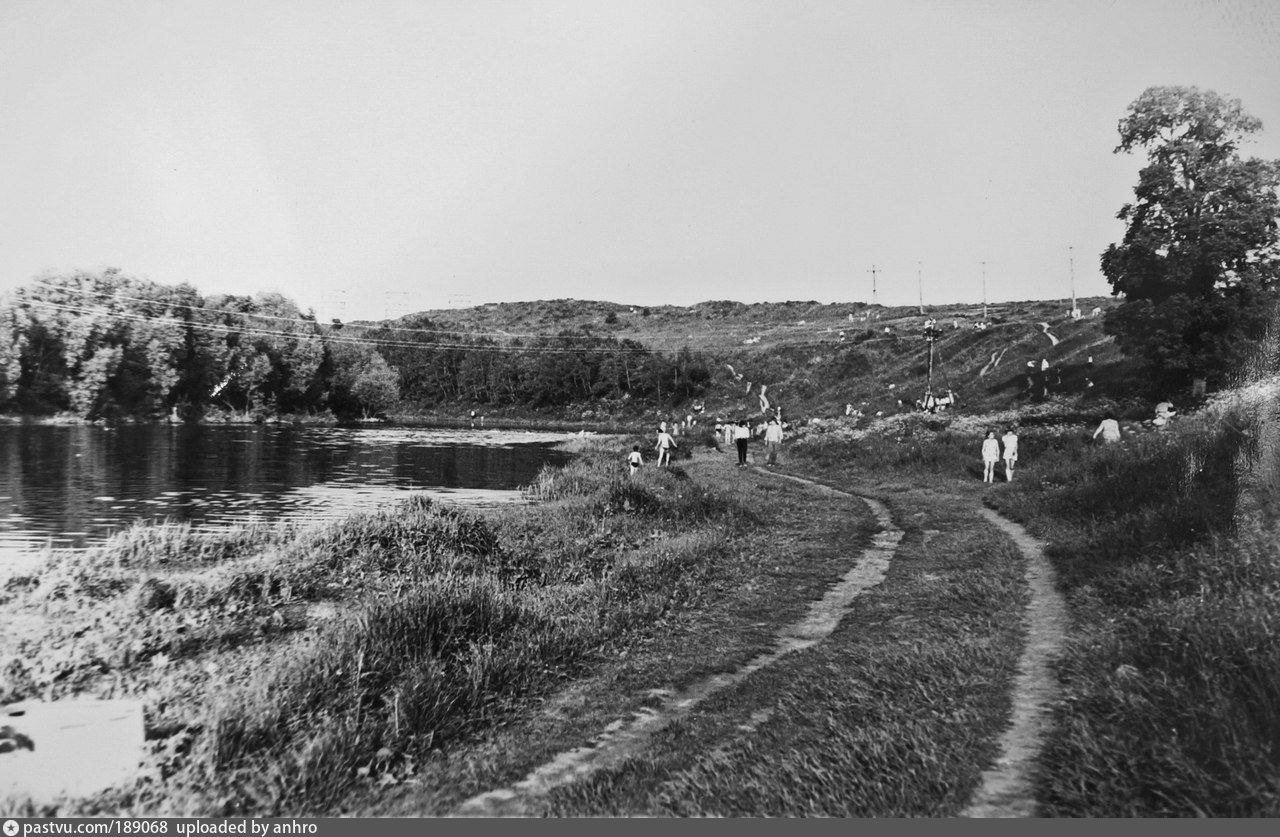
x,y
107,346
398,663
286,669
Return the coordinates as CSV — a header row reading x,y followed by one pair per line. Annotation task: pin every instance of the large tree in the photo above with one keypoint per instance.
x,y
1199,259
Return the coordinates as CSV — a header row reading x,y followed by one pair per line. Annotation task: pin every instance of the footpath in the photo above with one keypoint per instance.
x,y
1005,786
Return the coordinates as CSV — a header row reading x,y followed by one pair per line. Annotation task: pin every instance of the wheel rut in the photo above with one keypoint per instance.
x,y
625,738
1007,789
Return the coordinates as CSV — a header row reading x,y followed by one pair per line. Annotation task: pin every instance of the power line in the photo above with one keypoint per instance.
x,y
314,332
310,322
336,338
206,309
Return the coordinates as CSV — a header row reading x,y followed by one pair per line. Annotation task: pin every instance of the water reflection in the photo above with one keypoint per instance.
x,y
73,486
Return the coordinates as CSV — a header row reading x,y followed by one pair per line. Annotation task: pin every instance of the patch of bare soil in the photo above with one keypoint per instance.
x,y
625,738
1006,789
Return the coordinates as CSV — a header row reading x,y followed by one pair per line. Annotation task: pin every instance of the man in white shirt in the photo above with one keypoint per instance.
x,y
741,437
773,440
1010,442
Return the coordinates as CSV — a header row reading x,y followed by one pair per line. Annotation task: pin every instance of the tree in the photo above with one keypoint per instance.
x,y
362,384
1200,255
377,387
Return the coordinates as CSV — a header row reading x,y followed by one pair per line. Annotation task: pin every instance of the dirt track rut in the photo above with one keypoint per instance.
x,y
625,738
1006,789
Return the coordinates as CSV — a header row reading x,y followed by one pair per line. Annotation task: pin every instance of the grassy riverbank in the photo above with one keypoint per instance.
x,y
283,669
399,663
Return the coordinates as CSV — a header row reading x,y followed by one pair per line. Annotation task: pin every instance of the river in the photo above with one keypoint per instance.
x,y
72,486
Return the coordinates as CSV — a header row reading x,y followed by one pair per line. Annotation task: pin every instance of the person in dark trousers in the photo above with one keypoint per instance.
x,y
742,435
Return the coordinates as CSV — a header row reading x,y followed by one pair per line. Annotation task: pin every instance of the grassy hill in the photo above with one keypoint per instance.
x,y
815,359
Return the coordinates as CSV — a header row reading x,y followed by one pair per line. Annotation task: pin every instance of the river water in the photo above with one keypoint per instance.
x,y
72,486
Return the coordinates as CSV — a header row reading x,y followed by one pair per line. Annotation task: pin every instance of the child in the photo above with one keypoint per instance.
x,y
634,459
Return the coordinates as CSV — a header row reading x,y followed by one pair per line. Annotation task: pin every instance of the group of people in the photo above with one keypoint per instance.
x,y
1006,447
993,450
739,433
665,444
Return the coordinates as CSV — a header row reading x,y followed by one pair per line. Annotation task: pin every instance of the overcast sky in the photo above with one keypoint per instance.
x,y
377,158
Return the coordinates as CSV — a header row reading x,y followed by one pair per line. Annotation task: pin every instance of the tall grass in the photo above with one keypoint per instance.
x,y
437,624
1171,682
372,692
914,450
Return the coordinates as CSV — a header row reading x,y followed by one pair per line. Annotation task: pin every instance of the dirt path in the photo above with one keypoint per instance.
x,y
623,739
1006,789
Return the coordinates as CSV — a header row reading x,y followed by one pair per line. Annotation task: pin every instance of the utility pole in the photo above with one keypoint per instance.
x,y
920,287
931,334
984,291
873,284
1071,267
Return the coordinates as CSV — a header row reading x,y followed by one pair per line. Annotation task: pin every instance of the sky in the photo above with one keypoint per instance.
x,y
379,158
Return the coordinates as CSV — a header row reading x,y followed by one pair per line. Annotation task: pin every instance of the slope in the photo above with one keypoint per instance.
x,y
816,360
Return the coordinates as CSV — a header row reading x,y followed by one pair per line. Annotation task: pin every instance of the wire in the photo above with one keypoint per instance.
x,y
302,320
331,337
335,338
119,296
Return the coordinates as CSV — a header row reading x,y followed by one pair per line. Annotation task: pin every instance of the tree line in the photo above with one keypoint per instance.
x,y
106,345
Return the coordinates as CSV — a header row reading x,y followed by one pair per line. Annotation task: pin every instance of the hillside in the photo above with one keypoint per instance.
x,y
820,360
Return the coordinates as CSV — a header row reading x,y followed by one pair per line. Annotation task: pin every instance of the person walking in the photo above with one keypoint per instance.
x,y
741,436
990,456
664,446
634,460
773,440
1010,442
